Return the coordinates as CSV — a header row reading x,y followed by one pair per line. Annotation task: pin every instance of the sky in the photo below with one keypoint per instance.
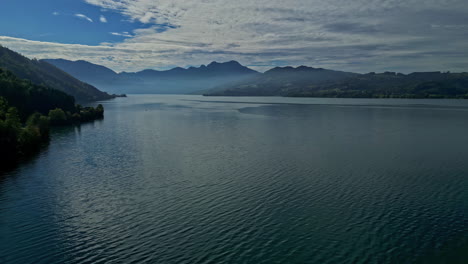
x,y
132,35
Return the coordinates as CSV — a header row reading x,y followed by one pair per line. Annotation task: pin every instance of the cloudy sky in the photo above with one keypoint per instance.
x,y
131,35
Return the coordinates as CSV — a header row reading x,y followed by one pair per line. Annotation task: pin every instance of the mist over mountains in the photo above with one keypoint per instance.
x,y
280,81
316,82
174,81
233,79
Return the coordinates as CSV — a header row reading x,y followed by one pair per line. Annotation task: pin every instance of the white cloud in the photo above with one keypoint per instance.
x,y
103,19
55,13
361,35
123,34
81,16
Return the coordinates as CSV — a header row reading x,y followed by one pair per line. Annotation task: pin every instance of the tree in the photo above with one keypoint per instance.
x,y
57,117
99,111
9,129
41,122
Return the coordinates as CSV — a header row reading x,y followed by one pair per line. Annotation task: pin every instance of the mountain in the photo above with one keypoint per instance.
x,y
393,85
174,81
316,82
43,73
233,79
28,110
281,81
83,70
213,70
29,98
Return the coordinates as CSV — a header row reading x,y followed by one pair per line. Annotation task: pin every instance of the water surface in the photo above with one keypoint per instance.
x,y
192,179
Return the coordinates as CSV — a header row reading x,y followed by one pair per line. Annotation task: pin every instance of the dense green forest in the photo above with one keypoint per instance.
x,y
18,138
28,110
29,98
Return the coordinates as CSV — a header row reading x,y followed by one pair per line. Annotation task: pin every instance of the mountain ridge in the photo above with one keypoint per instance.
x,y
214,65
175,80
279,81
42,73
300,82
232,79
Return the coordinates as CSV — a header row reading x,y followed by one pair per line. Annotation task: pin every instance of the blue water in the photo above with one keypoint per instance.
x,y
192,179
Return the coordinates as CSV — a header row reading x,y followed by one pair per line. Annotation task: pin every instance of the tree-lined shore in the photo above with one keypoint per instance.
x,y
27,111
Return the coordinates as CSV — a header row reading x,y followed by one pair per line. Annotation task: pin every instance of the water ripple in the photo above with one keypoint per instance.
x,y
359,182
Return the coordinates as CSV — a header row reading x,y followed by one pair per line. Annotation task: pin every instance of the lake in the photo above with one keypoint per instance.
x,y
192,179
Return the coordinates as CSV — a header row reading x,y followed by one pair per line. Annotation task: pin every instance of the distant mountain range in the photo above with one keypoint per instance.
x,y
393,85
43,73
311,82
174,81
281,81
83,70
233,79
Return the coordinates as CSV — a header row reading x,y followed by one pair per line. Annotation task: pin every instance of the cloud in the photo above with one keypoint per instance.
x,y
360,35
103,19
81,16
55,13
352,28
123,34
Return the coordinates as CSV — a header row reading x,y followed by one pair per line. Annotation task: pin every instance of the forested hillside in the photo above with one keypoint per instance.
x,y
43,73
392,85
313,82
26,112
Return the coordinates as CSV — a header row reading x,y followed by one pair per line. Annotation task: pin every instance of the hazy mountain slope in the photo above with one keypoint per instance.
x,y
233,79
393,85
83,70
173,81
281,81
213,70
43,73
310,82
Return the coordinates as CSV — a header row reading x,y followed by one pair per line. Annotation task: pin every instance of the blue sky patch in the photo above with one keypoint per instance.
x,y
64,21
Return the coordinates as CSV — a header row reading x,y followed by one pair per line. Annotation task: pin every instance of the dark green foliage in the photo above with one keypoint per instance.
x,y
23,104
41,122
43,73
9,129
29,139
29,98
100,110
18,140
23,126
90,113
57,117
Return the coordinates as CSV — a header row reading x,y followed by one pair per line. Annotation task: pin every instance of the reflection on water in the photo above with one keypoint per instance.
x,y
189,179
